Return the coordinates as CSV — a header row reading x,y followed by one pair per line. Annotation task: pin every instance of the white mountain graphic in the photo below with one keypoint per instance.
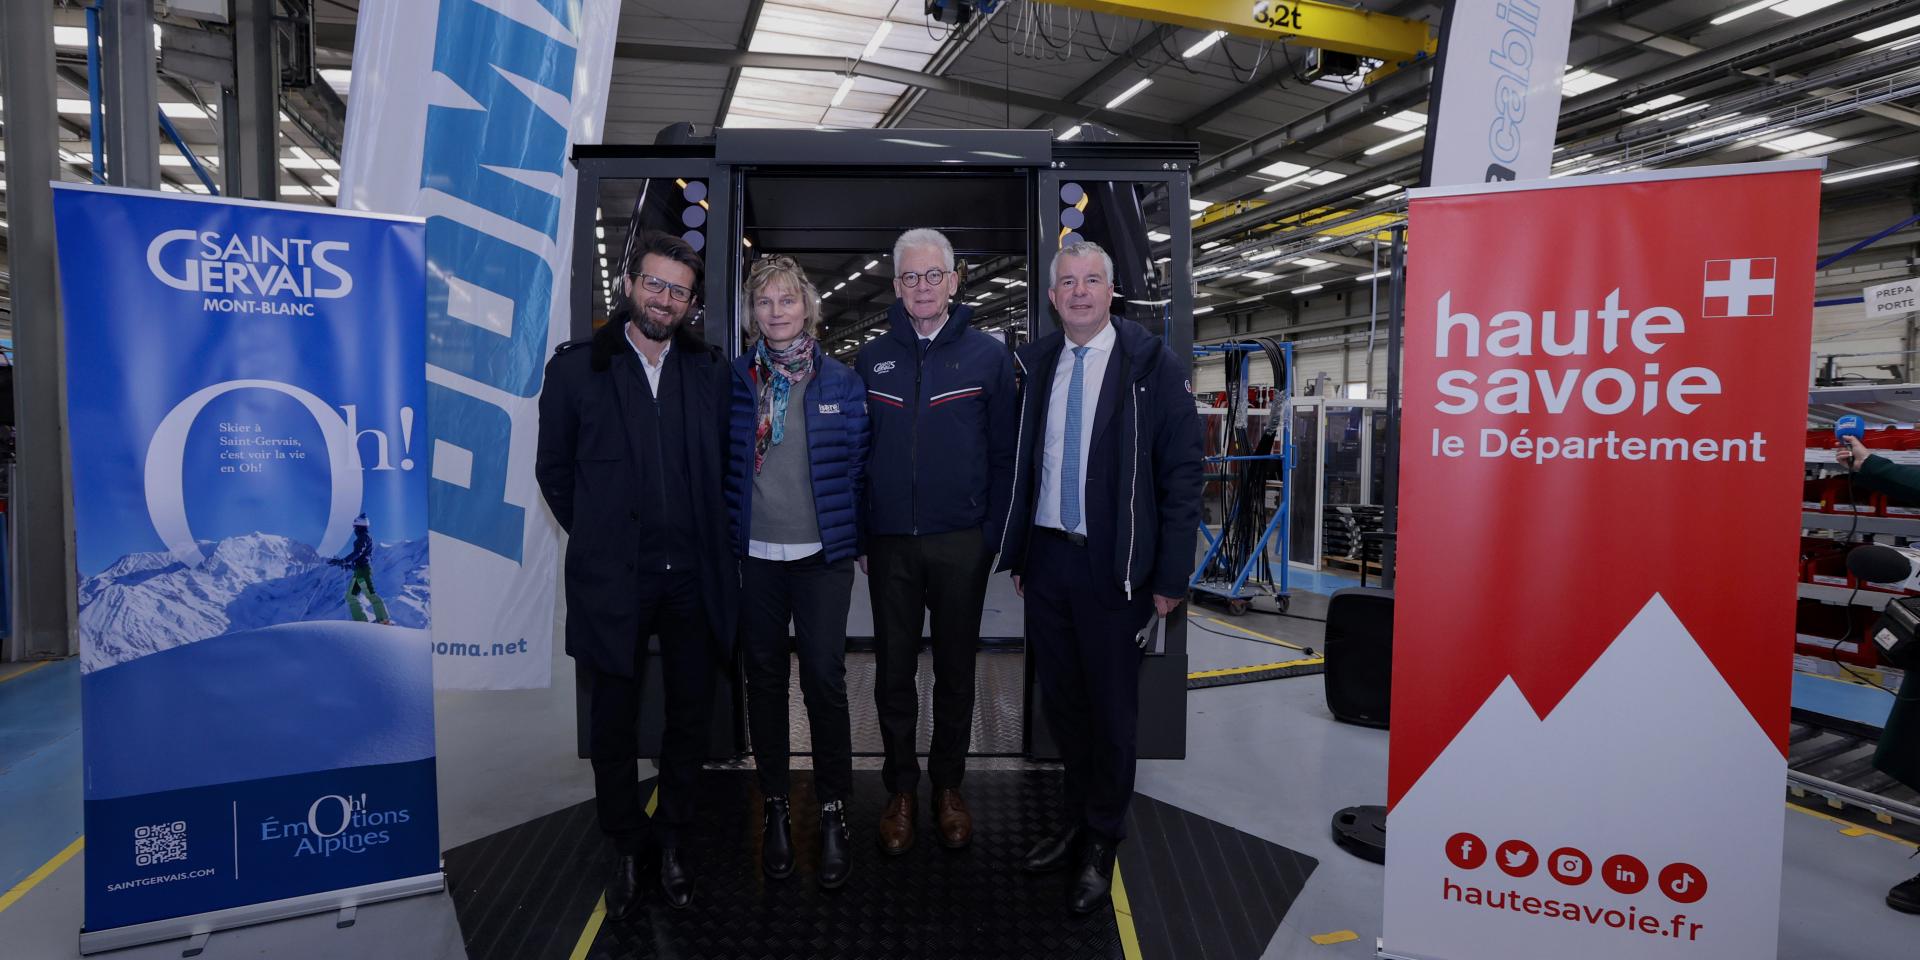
x,y
1649,755
149,602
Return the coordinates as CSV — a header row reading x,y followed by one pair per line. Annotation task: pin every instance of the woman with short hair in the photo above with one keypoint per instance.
x,y
797,463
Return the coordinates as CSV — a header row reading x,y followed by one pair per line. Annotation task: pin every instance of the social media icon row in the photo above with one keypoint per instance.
x,y
1623,874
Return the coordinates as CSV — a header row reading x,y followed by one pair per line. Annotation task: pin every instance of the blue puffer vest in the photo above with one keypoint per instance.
x,y
836,448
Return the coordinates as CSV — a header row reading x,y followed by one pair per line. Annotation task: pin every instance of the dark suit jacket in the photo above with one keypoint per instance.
x,y
587,469
1143,469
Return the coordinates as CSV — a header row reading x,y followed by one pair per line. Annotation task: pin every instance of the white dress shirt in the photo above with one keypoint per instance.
x,y
762,550
1047,512
652,369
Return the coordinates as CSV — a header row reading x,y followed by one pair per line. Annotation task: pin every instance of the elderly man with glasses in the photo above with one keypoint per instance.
x,y
940,396
630,458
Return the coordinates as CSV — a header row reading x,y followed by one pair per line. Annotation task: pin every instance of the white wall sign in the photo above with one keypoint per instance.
x,y
1892,299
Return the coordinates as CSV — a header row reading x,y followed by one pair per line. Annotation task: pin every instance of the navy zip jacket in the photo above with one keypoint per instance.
x,y
943,439
836,452
1143,468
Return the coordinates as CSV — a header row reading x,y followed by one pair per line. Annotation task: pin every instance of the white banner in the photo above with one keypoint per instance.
x,y
1497,94
1892,299
464,112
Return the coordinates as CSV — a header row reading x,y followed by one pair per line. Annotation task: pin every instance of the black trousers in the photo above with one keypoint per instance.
x,y
670,605
946,574
813,595
1080,633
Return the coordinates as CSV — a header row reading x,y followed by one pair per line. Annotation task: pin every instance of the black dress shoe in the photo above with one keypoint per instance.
x,y
776,848
836,846
1095,879
623,892
1905,897
675,882
1054,852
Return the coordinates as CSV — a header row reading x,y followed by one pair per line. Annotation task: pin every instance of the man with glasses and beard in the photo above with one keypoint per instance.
x,y
632,428
940,402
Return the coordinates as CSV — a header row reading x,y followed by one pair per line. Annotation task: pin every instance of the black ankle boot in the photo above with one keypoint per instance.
x,y
776,843
675,882
1094,882
836,845
623,892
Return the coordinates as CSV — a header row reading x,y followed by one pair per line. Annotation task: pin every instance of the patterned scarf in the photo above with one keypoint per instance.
x,y
777,373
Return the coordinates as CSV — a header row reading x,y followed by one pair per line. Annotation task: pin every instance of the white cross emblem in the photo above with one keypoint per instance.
x,y
1739,288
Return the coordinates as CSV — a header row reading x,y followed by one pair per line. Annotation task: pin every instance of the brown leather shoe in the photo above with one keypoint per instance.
x,y
896,825
956,824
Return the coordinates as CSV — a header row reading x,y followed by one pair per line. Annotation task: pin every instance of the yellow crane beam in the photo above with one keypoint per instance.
x,y
1327,26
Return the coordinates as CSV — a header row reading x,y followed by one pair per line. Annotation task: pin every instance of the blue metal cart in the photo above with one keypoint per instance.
x,y
1236,579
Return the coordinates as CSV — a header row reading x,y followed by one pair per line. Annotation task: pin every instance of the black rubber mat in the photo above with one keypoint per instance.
x,y
1201,889
527,891
1197,888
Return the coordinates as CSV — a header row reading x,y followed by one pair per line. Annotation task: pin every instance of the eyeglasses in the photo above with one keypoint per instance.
x,y
933,278
653,284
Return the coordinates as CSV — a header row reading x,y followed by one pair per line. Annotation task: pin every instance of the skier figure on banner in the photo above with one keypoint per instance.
x,y
361,560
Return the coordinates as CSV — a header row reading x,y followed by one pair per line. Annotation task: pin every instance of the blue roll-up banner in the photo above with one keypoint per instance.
x,y
244,386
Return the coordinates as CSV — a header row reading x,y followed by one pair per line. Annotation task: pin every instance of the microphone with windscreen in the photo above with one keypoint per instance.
x,y
1875,563
1850,426
1898,632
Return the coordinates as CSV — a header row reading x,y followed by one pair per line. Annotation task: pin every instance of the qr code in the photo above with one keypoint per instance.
x,y
160,843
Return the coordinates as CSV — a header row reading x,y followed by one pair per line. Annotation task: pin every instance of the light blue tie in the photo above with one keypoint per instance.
x,y
1070,456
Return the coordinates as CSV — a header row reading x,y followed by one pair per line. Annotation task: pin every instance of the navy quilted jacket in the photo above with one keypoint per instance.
x,y
836,448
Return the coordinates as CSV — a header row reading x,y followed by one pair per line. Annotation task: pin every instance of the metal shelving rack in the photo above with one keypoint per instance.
x,y
1881,405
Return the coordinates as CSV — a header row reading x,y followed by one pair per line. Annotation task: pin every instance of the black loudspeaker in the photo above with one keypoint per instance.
x,y
1359,654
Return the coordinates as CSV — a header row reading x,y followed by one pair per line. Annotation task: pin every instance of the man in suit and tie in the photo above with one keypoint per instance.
x,y
1100,540
632,430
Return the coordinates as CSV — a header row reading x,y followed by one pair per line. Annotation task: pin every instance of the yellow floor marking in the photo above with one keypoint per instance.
x,y
600,909
46,870
1338,936
1255,634
22,673
1123,917
1848,826
593,930
1256,668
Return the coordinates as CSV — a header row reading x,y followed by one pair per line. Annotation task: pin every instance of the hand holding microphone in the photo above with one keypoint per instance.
x,y
1848,430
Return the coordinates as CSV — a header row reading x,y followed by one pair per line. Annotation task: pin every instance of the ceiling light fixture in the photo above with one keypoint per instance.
x,y
1309,288
1072,132
1577,82
1396,141
879,37
1805,140
1845,175
1403,121
1206,43
840,95
1130,92
1889,29
1655,104
1738,12
1795,8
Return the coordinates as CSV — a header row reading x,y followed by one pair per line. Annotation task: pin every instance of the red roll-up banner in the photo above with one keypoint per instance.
x,y
1605,406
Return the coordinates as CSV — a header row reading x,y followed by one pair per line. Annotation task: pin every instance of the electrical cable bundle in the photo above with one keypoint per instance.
x,y
1243,501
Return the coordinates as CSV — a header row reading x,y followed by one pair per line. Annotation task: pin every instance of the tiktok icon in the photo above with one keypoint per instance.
x,y
1683,883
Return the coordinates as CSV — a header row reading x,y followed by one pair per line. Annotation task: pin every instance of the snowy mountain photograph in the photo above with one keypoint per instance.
x,y
148,602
